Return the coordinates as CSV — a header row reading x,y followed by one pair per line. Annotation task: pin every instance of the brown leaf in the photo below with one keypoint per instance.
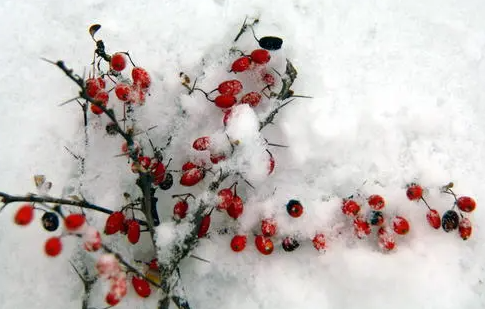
x,y
93,29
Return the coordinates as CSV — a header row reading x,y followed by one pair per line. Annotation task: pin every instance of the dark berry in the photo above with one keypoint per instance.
x,y
50,221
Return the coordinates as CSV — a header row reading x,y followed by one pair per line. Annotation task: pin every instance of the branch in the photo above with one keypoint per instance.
x,y
88,285
6,198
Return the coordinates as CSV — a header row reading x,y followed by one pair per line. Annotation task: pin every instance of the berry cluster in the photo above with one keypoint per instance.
x,y
452,219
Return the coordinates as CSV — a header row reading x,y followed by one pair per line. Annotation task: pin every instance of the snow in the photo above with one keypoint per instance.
x,y
397,93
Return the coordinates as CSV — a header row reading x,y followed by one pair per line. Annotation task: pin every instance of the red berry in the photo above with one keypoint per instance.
x,y
102,97
319,242
230,87
202,143
154,264
260,56
466,203
225,101
264,244
112,299
241,64
294,208
238,243
204,226
96,109
188,166
465,228
361,228
157,169
217,158
236,208
118,62
191,177
251,98
350,208
123,92
144,161
268,227
434,218
400,225
141,77
180,210
376,202
114,223
386,240
94,85
141,286
133,231
74,221
226,197
53,246
268,79
24,214
414,192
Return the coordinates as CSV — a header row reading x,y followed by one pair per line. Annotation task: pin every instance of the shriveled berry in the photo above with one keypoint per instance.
x,y
319,241
251,98
225,101
230,87
465,228
400,225
414,192
180,210
260,56
92,239
350,208
24,215
376,217
238,243
118,62
123,92
290,244
376,202
466,203
202,143
264,244
167,182
433,218
294,208
50,221
53,246
241,64
141,77
270,42
450,221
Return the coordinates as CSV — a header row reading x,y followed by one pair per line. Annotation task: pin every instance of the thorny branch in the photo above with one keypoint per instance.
x,y
87,283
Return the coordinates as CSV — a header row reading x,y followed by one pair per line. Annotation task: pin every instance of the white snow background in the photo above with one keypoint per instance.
x,y
399,96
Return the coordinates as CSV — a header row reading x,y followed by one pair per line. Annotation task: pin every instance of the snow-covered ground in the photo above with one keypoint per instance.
x,y
398,92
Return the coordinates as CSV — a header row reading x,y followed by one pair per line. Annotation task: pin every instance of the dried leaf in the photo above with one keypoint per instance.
x,y
39,180
93,29
75,198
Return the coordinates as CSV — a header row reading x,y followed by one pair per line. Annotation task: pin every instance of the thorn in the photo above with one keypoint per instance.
x,y
69,101
199,258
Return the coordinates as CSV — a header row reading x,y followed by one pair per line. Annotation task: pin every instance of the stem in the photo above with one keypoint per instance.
x,y
422,198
